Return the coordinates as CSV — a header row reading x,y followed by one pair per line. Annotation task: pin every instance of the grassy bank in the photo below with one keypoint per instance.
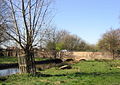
x,y
82,73
7,60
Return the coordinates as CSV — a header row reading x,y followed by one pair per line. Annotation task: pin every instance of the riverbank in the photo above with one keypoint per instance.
x,y
83,73
15,65
9,60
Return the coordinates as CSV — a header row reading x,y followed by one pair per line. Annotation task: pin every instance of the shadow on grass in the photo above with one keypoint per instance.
x,y
3,79
78,74
73,75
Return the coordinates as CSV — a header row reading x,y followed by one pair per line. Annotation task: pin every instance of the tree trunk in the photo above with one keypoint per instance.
x,y
113,54
55,54
27,62
30,62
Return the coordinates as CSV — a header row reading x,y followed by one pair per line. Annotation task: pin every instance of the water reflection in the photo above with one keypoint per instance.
x,y
9,71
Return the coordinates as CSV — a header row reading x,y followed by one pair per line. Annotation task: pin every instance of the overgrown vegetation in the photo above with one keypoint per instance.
x,y
101,72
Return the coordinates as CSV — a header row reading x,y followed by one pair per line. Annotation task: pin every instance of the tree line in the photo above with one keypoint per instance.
x,y
62,39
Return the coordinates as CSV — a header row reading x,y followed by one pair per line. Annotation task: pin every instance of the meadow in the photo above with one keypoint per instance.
x,y
99,72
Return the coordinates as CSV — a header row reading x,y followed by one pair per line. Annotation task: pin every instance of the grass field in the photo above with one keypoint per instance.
x,y
82,73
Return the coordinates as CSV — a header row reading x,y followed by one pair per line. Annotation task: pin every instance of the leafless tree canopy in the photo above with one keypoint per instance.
x,y
3,36
29,17
110,41
3,17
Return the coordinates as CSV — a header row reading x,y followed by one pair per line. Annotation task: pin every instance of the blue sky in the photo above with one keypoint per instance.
x,y
88,19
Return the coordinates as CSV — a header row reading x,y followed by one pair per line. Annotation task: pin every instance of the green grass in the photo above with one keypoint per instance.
x,y
5,59
82,73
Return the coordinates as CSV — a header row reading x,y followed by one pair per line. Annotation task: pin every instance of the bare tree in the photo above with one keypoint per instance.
x,y
110,42
28,18
3,15
71,42
3,36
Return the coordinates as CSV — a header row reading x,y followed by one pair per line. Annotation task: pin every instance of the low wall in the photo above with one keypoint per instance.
x,y
91,55
77,56
64,55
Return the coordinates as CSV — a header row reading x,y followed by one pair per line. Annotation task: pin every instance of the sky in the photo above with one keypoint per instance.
x,y
88,19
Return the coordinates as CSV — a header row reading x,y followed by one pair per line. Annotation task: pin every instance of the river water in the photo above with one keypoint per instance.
x,y
9,71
